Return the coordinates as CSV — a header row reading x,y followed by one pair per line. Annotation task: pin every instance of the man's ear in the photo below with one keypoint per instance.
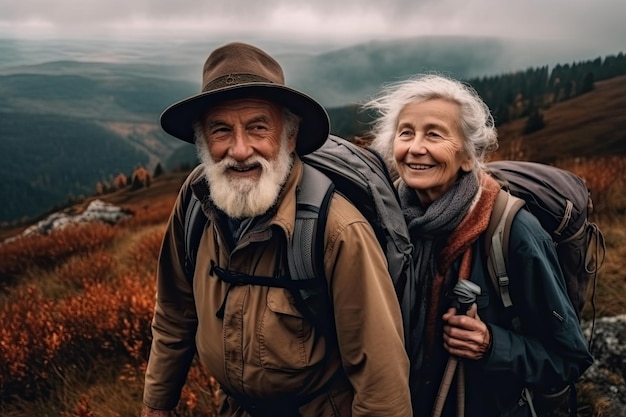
x,y
291,142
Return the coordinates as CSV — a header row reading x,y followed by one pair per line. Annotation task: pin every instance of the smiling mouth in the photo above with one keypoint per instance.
x,y
420,167
246,168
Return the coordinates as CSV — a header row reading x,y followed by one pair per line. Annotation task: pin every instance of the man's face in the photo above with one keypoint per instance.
x,y
247,155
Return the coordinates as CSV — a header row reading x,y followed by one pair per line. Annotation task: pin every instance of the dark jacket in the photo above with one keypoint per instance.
x,y
548,354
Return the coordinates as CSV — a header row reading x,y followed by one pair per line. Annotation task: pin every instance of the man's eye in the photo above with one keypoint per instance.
x,y
220,129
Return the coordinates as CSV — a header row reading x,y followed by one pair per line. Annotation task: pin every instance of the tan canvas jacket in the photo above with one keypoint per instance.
x,y
263,348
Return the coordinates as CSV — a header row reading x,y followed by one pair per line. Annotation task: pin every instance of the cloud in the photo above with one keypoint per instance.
x,y
339,20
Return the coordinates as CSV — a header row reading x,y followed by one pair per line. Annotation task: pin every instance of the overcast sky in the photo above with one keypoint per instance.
x,y
592,22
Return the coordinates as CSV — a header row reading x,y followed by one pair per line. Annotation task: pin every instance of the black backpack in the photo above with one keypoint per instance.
x,y
360,175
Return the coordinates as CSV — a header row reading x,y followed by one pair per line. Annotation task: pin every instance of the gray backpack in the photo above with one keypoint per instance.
x,y
562,203
358,174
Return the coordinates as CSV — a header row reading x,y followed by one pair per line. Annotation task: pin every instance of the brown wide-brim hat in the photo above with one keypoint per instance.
x,y
238,70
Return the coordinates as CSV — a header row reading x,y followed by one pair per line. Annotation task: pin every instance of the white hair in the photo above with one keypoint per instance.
x,y
476,122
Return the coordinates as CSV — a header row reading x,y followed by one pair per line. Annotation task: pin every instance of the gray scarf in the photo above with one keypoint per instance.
x,y
429,229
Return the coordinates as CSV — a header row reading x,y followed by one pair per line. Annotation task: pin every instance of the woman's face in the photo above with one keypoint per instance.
x,y
428,147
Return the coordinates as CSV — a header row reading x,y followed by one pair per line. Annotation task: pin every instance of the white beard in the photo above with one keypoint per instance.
x,y
245,197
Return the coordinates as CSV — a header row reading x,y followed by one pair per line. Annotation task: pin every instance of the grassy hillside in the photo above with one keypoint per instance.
x,y
590,125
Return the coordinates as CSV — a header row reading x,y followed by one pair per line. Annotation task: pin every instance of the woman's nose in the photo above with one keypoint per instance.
x,y
417,145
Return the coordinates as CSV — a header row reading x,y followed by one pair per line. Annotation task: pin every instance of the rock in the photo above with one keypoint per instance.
x,y
96,211
605,380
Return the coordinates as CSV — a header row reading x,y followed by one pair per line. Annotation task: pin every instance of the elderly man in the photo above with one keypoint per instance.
x,y
269,358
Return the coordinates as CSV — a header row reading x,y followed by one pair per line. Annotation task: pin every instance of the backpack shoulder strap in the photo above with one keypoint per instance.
x,y
195,221
497,244
305,253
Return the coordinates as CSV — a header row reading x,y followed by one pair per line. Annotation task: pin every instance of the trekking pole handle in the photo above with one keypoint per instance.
x,y
466,292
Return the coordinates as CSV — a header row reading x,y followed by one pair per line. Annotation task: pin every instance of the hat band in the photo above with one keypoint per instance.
x,y
230,80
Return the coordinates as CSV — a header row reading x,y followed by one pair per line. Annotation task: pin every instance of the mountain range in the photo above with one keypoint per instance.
x,y
76,113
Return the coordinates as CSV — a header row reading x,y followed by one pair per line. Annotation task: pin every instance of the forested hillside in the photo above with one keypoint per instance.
x,y
65,126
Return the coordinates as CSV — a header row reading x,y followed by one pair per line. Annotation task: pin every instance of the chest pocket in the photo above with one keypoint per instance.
x,y
286,338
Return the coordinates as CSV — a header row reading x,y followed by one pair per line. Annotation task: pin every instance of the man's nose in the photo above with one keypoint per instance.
x,y
240,148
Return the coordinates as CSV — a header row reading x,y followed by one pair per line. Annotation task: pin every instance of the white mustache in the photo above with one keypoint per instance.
x,y
251,163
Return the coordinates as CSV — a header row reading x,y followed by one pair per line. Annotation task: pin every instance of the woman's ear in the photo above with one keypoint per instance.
x,y
468,164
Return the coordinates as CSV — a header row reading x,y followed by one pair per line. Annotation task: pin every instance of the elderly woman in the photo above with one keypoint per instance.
x,y
435,132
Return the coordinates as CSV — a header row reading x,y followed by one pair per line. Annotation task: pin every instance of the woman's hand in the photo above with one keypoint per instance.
x,y
465,336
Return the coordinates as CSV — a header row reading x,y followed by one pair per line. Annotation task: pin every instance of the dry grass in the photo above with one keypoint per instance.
x,y
611,285
76,315
77,336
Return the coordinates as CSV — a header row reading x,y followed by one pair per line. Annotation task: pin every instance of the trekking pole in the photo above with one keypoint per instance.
x,y
466,292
